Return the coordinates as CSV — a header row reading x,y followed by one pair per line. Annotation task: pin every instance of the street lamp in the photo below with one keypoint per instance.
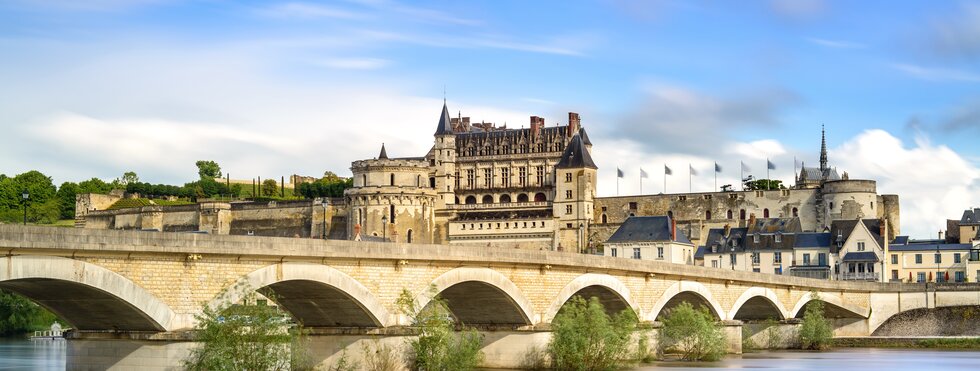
x,y
384,228
324,230
26,196
938,259
581,235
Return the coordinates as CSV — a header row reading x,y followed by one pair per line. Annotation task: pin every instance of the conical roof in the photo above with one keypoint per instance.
x,y
445,125
576,155
384,154
585,137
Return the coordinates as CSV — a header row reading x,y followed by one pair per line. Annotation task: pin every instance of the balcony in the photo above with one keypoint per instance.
x,y
504,205
859,276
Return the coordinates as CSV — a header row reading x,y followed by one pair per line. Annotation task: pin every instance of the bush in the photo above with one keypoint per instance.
x,y
772,335
584,337
816,332
438,346
693,333
247,337
380,357
19,315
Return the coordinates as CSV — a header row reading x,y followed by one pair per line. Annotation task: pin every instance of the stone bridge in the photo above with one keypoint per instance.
x,y
151,283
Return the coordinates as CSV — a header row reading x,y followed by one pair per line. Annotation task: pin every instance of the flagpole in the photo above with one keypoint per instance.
x,y
690,178
741,174
716,178
641,180
768,179
665,178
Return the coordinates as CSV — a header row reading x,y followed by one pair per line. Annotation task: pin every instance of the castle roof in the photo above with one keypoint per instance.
x,y
576,155
384,154
646,229
970,216
445,127
585,137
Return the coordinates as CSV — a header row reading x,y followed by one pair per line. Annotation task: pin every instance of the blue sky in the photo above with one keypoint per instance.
x,y
268,89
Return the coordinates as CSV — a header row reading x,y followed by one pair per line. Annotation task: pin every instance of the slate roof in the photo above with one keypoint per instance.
x,y
970,217
773,225
813,173
931,247
585,137
445,122
646,229
809,240
860,256
384,154
576,155
699,253
899,240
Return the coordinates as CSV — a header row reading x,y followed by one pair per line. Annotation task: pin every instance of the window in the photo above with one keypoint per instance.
x,y
568,225
796,212
755,258
956,258
568,177
714,264
470,178
392,182
831,205
391,210
636,253
613,252
777,257
632,205
960,276
568,195
920,277
568,209
755,238
505,177
860,246
487,178
894,274
456,179
822,259
707,197
938,258
540,174
894,258
729,214
707,215
733,258
778,237
364,181
521,176
660,253
777,270
756,270
604,219
681,198
806,259
765,213
733,196
741,214
918,258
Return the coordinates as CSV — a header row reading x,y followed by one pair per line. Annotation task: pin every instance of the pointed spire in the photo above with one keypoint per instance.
x,y
823,149
384,154
445,127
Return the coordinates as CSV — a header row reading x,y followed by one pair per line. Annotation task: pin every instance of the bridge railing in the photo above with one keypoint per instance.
x,y
859,276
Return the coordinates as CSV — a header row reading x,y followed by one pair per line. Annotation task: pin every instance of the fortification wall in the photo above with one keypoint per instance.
x,y
88,202
272,219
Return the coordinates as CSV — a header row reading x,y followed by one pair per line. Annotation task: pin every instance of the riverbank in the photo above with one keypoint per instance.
x,y
909,342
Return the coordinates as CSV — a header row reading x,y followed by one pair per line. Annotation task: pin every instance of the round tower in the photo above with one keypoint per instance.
x,y
391,199
849,200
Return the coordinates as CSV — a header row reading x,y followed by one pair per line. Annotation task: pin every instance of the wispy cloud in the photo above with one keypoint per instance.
x,y
307,11
937,74
839,44
797,9
560,46
420,14
354,63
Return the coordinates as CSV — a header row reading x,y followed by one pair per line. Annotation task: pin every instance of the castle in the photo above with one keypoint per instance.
x,y
483,185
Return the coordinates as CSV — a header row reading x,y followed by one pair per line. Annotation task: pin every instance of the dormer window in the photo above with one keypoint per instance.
x,y
755,238
778,237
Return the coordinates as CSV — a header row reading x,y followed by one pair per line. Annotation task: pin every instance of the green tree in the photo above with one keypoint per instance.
x,y
815,332
438,346
764,184
270,188
66,198
693,333
585,337
19,315
247,337
207,169
94,185
127,178
329,186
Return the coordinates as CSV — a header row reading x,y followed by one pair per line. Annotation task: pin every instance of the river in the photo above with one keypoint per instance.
x,y
16,354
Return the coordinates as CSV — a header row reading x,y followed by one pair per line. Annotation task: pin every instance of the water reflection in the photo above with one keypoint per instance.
x,y
839,360
23,354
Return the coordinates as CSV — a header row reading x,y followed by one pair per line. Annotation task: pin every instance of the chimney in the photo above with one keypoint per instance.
x,y
940,235
751,222
673,229
728,230
881,229
537,123
357,230
574,123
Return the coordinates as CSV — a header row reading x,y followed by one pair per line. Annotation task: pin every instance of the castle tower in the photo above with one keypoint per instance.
x,y
575,188
444,159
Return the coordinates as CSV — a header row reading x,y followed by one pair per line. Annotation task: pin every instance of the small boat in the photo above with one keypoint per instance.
x,y
55,333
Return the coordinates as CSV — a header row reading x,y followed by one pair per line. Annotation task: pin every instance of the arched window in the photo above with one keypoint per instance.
x,y
363,180
418,181
487,199
470,200
765,213
741,214
796,212
604,220
505,199
707,215
540,197
392,179
670,214
409,236
729,214
522,197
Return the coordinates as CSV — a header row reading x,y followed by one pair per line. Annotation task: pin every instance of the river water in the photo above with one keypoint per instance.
x,y
17,354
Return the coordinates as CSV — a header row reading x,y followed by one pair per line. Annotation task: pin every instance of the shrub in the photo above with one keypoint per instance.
x,y
816,332
380,357
772,335
585,337
693,333
247,337
438,346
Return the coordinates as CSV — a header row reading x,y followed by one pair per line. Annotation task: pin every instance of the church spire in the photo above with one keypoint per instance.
x,y
384,154
823,149
445,127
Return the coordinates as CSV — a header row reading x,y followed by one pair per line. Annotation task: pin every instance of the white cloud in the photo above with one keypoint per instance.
x,y
299,10
933,182
937,74
839,44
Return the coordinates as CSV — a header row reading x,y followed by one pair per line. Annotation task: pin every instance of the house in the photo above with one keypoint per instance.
x,y
932,261
859,247
650,238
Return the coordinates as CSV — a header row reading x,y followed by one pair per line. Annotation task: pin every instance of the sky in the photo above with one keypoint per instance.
x,y
269,89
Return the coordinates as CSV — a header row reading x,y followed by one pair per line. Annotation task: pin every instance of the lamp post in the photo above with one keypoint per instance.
x,y
384,228
938,259
323,234
581,236
25,196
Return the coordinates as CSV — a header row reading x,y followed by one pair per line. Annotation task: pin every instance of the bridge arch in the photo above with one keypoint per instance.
x,y
758,303
834,307
612,292
315,294
686,291
108,300
481,296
